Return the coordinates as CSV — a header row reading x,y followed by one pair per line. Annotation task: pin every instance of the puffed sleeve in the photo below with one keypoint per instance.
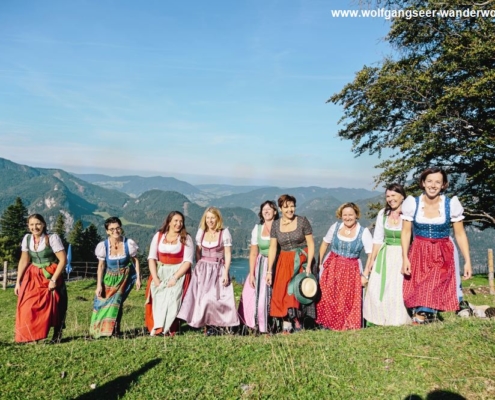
x,y
24,244
56,243
367,240
226,238
100,251
254,236
273,231
199,236
379,233
306,227
328,237
133,247
456,210
189,250
153,254
408,208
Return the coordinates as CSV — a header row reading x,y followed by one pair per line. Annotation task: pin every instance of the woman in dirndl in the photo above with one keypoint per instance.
x,y
254,307
118,271
209,301
170,258
431,273
40,287
340,305
294,236
383,302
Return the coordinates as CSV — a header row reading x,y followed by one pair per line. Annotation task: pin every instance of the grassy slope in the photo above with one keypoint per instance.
x,y
457,355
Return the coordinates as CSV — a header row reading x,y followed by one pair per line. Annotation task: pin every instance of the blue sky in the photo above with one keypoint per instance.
x,y
205,91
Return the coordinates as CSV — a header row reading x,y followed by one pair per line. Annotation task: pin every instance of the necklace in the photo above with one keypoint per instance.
x,y
116,244
394,217
347,231
172,240
284,222
211,235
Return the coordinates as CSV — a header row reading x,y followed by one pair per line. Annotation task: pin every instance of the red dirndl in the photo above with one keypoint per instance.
x,y
432,282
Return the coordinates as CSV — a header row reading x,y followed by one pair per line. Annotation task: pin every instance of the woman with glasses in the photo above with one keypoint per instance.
x,y
118,271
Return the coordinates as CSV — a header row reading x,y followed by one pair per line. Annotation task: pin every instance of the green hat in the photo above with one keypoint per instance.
x,y
305,288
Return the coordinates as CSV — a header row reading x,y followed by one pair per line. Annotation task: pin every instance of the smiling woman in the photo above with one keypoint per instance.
x,y
431,274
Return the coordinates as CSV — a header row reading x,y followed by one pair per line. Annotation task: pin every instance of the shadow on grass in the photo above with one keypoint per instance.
x,y
437,395
117,388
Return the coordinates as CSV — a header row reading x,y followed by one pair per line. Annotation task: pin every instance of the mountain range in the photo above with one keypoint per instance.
x,y
143,203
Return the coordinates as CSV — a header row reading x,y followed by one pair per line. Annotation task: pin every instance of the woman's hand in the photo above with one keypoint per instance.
x,y
98,290
252,280
468,271
269,278
52,285
17,288
157,282
406,267
225,278
308,270
172,281
138,283
364,281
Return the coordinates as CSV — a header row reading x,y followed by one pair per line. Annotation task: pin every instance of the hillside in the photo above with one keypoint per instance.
x,y
135,186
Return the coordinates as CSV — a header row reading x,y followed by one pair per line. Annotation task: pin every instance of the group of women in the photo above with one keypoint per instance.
x,y
412,270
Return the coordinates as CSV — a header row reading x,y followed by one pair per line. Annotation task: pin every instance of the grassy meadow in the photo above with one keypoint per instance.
x,y
455,357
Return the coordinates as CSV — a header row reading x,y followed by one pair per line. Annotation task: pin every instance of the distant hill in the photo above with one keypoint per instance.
x,y
254,198
226,190
134,185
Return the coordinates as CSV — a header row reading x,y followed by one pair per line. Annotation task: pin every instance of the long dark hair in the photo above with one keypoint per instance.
x,y
397,188
39,217
166,224
273,206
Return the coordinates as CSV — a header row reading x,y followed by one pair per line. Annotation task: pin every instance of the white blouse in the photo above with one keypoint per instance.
x,y
409,208
55,243
226,239
379,233
101,252
254,235
168,248
366,239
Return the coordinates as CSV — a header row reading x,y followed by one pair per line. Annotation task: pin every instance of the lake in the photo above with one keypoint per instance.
x,y
239,269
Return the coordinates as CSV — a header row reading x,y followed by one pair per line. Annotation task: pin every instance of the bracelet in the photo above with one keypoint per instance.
x,y
269,273
53,280
366,277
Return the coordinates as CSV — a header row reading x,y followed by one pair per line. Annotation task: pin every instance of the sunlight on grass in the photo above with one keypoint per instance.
x,y
125,222
456,355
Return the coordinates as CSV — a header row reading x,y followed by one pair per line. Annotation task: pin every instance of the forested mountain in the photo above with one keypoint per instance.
x,y
53,191
134,185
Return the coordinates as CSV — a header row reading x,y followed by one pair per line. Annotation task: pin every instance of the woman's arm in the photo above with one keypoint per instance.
x,y
311,252
198,253
62,261
371,259
253,254
154,271
228,259
99,278
323,250
21,268
463,243
405,240
272,254
135,261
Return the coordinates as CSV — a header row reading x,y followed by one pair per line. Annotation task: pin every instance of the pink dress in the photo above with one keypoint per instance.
x,y
207,301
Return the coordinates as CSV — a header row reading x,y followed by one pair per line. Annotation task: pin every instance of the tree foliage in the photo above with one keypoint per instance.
x,y
432,103
59,229
13,227
76,240
90,238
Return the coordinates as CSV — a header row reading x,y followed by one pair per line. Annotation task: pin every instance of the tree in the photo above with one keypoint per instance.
x,y
90,238
431,104
59,229
76,240
13,227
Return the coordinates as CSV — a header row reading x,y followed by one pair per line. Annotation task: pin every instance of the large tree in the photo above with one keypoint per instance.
x,y
59,229
431,103
90,238
13,227
76,239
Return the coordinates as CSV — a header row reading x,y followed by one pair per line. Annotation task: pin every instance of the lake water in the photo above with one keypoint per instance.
x,y
239,269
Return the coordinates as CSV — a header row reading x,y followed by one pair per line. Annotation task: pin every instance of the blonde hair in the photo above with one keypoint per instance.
x,y
216,212
356,209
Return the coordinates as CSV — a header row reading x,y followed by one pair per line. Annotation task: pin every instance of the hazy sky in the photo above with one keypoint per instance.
x,y
206,91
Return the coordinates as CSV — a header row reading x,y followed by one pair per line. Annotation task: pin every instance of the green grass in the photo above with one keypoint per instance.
x,y
456,355
125,222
